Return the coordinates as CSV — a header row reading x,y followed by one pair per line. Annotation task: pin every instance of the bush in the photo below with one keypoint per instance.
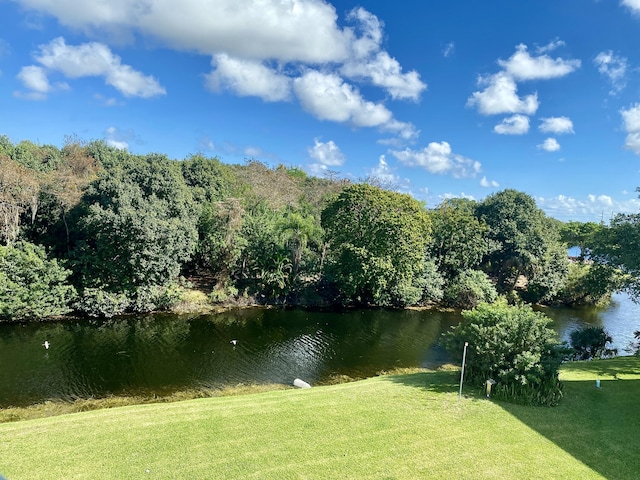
x,y
591,342
154,298
99,303
513,345
32,286
469,289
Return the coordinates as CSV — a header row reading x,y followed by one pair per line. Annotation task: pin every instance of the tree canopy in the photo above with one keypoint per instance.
x,y
127,228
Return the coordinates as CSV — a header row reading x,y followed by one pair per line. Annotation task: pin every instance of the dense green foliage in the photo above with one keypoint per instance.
x,y
470,288
618,246
31,285
377,244
130,227
513,345
591,342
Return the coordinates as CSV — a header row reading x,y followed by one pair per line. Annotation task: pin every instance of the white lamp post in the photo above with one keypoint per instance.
x,y
464,358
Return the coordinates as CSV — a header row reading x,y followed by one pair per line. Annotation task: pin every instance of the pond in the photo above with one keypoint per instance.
x,y
161,354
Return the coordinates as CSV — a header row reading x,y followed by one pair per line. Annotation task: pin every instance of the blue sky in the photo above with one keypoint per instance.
x,y
438,99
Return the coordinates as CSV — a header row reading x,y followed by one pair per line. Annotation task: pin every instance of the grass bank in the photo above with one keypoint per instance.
x,y
399,426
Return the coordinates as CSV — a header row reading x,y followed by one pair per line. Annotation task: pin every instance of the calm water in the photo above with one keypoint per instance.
x,y
164,353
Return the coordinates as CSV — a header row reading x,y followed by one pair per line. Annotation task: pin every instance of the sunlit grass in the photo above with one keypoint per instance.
x,y
400,426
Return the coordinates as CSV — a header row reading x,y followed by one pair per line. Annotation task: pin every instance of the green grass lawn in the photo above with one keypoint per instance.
x,y
393,427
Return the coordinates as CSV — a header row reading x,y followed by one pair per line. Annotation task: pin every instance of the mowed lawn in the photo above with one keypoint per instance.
x,y
394,427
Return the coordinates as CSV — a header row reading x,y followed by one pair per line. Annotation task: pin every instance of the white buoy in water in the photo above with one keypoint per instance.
x,y
46,344
300,383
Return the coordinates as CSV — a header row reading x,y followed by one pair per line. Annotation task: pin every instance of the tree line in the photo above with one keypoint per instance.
x,y
91,229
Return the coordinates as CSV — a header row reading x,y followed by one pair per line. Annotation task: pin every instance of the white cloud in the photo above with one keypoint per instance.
x,y
438,158
550,145
614,68
592,208
288,30
383,175
515,125
117,139
449,195
86,60
557,125
257,48
522,66
326,153
549,47
369,62
384,71
449,49
634,5
35,79
501,96
328,97
248,78
488,184
631,119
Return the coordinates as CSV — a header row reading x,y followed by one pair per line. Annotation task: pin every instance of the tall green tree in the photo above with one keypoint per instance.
x,y
138,226
377,241
460,240
528,244
618,246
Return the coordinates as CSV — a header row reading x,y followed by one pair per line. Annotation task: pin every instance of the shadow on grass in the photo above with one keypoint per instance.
x,y
439,381
597,426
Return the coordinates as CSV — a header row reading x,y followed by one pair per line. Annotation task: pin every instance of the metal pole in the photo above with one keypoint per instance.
x,y
464,358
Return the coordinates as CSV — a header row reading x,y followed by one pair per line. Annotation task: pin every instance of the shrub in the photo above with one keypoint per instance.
x,y
469,289
513,345
155,298
99,303
591,342
32,286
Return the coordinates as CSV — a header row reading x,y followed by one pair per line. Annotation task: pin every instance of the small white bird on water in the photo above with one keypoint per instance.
x,y
46,344
234,342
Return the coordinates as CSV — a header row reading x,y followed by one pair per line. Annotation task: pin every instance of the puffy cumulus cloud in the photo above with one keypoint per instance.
x,y
631,119
633,5
522,66
248,78
592,208
369,62
501,96
557,125
245,38
87,60
614,68
329,97
549,145
515,125
438,158
488,184
326,154
35,79
287,30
